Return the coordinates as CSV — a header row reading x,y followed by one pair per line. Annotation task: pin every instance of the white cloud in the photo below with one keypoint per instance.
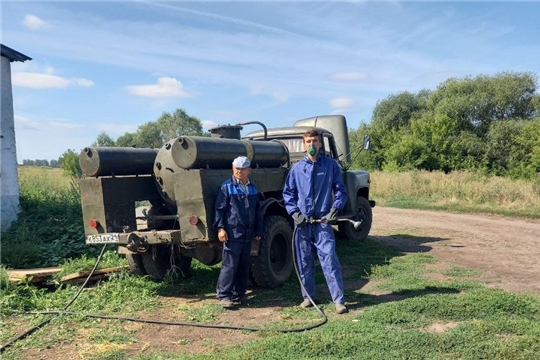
x,y
24,122
166,87
64,125
82,82
348,76
46,81
341,102
34,23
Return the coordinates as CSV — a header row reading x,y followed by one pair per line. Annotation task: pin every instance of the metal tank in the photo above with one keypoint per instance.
x,y
194,152
111,161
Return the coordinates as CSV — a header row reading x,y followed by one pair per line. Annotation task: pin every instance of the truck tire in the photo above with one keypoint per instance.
x,y
273,266
158,261
363,213
135,264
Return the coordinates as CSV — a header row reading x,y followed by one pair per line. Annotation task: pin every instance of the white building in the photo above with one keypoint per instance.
x,y
9,181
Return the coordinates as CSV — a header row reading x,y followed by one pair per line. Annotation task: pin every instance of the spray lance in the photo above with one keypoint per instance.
x,y
356,224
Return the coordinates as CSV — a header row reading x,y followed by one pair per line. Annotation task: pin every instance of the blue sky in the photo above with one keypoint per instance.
x,y
112,66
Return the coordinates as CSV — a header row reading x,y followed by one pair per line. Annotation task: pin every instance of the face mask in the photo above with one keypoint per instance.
x,y
312,150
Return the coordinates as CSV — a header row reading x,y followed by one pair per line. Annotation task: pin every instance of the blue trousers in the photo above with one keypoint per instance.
x,y
233,277
318,239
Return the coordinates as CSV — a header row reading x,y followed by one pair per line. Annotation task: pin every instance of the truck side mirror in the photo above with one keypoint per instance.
x,y
367,140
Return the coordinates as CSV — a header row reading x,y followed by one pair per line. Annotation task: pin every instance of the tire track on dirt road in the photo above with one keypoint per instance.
x,y
506,249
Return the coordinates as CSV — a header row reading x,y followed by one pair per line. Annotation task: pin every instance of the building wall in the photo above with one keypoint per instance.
x,y
9,182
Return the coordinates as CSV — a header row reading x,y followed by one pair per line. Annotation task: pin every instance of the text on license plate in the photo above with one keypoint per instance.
x,y
110,238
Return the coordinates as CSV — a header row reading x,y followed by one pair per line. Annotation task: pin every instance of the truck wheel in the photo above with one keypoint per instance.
x,y
135,263
157,262
363,213
273,266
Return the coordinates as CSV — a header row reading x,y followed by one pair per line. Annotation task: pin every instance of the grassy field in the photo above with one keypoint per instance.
x,y
459,191
402,306
49,229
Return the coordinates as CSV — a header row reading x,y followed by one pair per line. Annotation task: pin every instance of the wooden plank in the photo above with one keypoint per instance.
x,y
40,275
84,274
80,280
37,275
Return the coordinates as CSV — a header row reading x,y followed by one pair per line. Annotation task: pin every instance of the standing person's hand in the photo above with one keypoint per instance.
x,y
258,238
222,235
331,218
299,219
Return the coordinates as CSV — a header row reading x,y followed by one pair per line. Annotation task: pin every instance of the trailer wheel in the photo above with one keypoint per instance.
x,y
158,261
364,214
273,266
135,263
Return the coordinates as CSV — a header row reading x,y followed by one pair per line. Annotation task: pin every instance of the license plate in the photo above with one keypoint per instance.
x,y
110,238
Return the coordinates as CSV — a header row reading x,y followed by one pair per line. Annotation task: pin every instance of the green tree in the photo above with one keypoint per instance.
x,y
126,140
524,161
148,136
437,132
362,159
396,111
476,102
467,151
178,123
409,153
154,134
103,140
460,126
69,162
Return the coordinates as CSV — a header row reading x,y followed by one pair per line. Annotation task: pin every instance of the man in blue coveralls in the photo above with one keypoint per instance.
x,y
238,220
308,196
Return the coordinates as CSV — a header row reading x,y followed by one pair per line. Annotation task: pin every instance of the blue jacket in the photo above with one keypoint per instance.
x,y
309,187
241,223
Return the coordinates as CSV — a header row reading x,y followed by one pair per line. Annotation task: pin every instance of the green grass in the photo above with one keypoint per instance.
x,y
395,317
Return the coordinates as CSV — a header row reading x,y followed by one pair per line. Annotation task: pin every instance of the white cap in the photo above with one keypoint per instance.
x,y
241,162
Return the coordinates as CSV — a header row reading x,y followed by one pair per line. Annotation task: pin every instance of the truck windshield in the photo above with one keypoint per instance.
x,y
294,145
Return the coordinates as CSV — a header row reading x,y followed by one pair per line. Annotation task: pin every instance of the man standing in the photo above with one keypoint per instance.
x,y
308,199
237,220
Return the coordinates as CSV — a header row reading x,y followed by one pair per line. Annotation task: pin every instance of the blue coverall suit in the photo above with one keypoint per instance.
x,y
308,189
239,214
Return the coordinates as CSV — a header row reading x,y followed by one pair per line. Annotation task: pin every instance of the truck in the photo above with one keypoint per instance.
x,y
157,205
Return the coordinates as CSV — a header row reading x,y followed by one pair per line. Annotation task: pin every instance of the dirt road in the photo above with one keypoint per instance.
x,y
506,249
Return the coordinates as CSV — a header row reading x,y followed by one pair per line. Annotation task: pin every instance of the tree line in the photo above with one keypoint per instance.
x,y
489,124
42,162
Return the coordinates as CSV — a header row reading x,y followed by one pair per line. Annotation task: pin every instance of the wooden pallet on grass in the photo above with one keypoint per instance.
x,y
43,275
32,275
80,277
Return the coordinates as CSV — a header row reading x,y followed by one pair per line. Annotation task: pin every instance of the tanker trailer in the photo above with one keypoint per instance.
x,y
181,187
